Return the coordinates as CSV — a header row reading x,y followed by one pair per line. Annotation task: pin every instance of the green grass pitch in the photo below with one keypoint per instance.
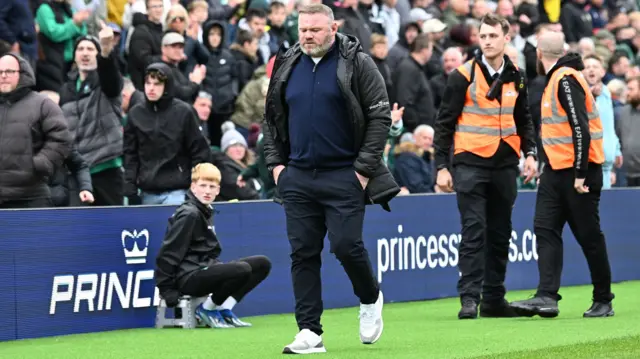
x,y
417,330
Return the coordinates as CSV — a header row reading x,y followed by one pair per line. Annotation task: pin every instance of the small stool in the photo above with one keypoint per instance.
x,y
184,313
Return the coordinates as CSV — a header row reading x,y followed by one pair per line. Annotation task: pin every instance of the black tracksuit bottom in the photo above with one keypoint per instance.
x,y
485,200
559,203
317,202
233,279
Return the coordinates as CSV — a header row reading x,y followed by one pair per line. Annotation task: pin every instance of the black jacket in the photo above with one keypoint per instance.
x,y
190,244
230,171
162,142
221,78
450,112
146,42
364,89
74,174
572,98
412,91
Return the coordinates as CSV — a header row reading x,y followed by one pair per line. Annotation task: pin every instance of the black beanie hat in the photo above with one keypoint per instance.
x,y
86,38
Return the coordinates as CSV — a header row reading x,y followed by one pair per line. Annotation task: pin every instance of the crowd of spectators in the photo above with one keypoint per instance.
x,y
209,64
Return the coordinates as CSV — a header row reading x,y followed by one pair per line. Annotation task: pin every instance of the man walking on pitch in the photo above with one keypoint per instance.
x,y
326,123
571,182
487,118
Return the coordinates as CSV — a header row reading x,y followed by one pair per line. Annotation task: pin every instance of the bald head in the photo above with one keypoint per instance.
x,y
551,45
451,59
9,73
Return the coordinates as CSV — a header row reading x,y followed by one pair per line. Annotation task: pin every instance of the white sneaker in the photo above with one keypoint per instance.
x,y
306,342
371,321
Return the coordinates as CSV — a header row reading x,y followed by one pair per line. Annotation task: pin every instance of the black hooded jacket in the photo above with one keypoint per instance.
x,y
162,142
365,94
221,79
573,99
190,244
34,140
146,42
400,49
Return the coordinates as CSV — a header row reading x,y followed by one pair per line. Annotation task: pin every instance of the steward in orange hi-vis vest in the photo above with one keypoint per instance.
x,y
557,132
484,121
570,183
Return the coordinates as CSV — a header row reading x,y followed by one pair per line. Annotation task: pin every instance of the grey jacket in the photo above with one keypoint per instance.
x,y
94,113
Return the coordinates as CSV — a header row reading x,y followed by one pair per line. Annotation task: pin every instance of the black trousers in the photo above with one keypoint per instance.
x,y
317,202
108,187
485,201
559,203
27,203
234,279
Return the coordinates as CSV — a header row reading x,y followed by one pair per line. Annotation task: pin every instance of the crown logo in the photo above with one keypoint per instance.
x,y
138,254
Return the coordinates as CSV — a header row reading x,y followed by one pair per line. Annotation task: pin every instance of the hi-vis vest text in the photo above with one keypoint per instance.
x,y
483,123
557,136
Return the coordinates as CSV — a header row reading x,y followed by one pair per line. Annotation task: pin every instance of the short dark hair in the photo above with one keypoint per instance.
x,y
243,37
251,13
593,57
492,19
275,5
420,43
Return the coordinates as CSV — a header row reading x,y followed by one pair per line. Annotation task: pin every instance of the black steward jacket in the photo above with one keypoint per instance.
x,y
190,244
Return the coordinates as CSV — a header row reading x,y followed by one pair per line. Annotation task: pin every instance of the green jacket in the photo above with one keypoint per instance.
x,y
66,32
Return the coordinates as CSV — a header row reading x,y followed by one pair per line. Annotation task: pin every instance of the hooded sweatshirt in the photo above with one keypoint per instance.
x,y
221,79
34,140
162,142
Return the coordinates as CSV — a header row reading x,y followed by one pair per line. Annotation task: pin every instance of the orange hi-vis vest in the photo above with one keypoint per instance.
x,y
557,136
483,122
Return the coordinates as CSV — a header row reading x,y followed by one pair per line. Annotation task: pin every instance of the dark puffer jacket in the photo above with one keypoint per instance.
x,y
34,140
365,93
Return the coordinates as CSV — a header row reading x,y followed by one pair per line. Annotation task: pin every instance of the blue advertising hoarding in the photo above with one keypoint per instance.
x,y
66,271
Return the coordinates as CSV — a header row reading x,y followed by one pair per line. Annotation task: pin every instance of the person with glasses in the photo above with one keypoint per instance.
x,y
34,138
188,261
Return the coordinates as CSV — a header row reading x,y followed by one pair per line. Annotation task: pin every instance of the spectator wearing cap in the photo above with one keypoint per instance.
x,y
419,16
407,35
185,89
413,167
91,102
202,105
234,158
162,142
244,50
456,13
411,89
195,53
17,29
146,41
436,30
59,27
249,108
220,80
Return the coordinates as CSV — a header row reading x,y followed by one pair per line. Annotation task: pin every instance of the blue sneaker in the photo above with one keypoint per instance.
x,y
212,318
232,319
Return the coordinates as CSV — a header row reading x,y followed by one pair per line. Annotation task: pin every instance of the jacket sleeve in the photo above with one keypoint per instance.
x,y
80,170
524,120
57,139
447,119
141,42
377,116
271,155
573,100
131,160
6,33
110,79
194,141
174,247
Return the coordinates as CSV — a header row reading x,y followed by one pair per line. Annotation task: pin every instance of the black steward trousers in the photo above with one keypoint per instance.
x,y
558,203
317,202
485,201
233,279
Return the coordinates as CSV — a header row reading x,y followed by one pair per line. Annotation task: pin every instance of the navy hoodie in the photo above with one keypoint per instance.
x,y
320,128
